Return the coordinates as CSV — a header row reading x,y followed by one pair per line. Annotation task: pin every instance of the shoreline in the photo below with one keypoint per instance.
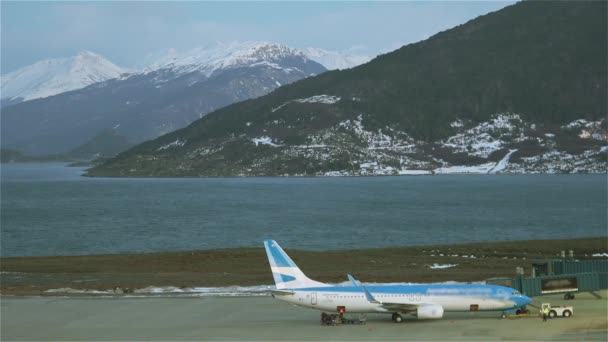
x,y
27,276
407,172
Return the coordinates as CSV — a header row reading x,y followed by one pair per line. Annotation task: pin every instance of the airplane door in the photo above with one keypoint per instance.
x,y
313,298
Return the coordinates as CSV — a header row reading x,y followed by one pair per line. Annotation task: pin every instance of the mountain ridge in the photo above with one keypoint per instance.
x,y
54,76
537,66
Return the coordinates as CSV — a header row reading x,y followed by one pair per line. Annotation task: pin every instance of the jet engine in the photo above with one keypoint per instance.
x,y
430,311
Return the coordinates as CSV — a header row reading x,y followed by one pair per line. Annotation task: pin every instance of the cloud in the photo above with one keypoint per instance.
x,y
125,32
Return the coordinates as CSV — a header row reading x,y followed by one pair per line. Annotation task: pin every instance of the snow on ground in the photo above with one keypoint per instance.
x,y
483,168
486,137
71,290
325,99
264,141
559,162
457,124
176,143
336,174
260,290
376,169
502,164
227,291
415,172
388,151
582,123
378,139
441,266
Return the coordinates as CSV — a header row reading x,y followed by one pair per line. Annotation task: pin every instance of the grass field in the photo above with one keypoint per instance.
x,y
249,266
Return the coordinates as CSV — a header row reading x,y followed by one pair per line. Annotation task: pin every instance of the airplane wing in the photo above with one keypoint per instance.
x,y
402,307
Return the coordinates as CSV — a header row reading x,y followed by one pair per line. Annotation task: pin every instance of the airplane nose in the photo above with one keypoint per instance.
x,y
523,301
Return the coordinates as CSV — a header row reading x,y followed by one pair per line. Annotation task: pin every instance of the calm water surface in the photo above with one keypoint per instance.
x,y
49,209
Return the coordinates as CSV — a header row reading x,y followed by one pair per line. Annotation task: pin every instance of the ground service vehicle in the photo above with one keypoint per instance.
x,y
557,311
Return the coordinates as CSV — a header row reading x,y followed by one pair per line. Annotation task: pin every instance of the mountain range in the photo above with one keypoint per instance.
x,y
522,89
168,94
58,75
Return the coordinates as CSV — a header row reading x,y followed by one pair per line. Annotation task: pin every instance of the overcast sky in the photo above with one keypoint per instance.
x,y
128,33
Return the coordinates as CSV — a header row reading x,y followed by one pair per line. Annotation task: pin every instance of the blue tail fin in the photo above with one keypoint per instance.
x,y
285,272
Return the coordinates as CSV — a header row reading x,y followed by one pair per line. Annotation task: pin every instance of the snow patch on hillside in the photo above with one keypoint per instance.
x,y
378,140
325,99
559,162
502,164
176,143
479,169
486,137
442,266
415,172
264,141
582,123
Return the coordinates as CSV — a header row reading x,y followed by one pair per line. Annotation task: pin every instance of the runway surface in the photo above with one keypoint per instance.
x,y
264,318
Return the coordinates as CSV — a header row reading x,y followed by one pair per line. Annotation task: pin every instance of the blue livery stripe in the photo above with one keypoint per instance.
x,y
285,278
278,256
430,289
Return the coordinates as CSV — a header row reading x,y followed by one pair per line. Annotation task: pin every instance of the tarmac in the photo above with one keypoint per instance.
x,y
264,318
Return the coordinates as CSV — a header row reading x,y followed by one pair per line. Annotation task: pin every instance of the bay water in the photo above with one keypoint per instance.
x,y
50,209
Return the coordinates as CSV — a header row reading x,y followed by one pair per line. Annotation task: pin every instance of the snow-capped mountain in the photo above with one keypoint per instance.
x,y
335,60
222,56
58,75
171,94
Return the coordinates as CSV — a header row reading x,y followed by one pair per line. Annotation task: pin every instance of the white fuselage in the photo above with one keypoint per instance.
x,y
356,302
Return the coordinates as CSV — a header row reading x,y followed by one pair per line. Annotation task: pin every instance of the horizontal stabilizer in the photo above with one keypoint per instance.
x,y
281,292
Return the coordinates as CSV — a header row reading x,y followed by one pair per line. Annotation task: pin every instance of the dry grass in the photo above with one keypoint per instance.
x,y
249,266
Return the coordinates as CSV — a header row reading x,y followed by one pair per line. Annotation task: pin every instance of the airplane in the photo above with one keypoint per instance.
x,y
425,301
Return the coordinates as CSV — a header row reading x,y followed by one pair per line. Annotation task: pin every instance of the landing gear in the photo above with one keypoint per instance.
x,y
568,296
397,318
